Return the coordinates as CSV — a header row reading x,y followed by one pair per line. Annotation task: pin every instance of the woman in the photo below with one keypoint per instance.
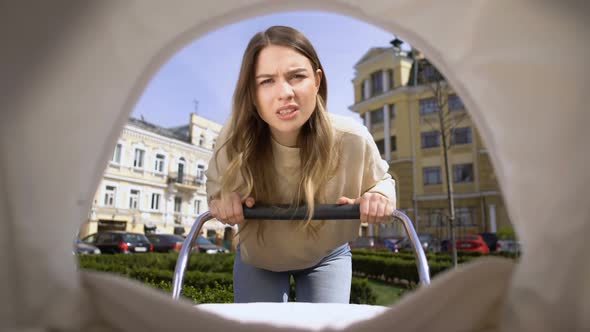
x,y
282,147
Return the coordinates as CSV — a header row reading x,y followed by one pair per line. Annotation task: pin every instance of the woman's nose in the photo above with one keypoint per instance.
x,y
285,90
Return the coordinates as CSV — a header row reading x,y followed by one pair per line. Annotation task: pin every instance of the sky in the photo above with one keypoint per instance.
x,y
206,70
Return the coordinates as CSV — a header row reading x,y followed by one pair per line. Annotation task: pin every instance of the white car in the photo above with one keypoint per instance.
x,y
508,245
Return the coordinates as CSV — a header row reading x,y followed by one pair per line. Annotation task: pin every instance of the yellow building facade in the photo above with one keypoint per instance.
x,y
155,180
401,115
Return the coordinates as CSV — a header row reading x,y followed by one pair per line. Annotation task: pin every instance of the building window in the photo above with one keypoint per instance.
x,y
434,217
159,166
155,202
464,217
429,73
197,206
117,153
428,106
134,199
376,116
381,146
376,83
213,144
390,79
455,103
177,204
201,140
461,136
200,173
391,112
432,175
360,92
430,139
463,173
180,170
109,196
138,158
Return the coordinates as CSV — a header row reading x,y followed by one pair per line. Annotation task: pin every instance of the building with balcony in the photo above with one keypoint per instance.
x,y
399,110
155,180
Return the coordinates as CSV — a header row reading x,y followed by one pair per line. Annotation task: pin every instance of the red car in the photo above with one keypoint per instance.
x,y
472,243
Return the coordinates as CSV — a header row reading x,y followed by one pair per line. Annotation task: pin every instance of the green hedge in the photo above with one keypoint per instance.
x,y
207,280
198,295
389,269
214,271
432,257
197,262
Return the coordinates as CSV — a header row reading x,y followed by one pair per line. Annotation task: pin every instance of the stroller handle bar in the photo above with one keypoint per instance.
x,y
286,212
282,212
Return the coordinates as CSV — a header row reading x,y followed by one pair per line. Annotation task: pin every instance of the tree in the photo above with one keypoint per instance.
x,y
425,74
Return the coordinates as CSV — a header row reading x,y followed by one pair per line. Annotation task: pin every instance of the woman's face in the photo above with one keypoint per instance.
x,y
286,89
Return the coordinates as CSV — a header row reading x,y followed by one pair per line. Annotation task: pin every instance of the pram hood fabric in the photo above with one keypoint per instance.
x,y
69,69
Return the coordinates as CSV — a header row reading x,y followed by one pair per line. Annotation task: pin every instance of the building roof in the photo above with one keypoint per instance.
x,y
375,51
178,133
423,74
371,53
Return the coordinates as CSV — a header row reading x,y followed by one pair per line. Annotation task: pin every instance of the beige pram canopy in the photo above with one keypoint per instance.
x,y
69,69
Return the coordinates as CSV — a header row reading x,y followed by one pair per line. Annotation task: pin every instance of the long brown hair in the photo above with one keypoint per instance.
x,y
248,146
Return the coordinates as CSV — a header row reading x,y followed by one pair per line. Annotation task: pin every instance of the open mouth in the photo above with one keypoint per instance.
x,y
285,112
288,111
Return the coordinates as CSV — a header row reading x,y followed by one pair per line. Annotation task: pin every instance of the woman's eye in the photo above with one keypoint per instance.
x,y
298,76
267,81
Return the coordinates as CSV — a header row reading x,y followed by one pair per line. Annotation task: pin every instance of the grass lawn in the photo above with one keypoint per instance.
x,y
386,294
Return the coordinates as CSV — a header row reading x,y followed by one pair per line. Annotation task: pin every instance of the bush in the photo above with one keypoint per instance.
x,y
197,262
361,292
208,278
198,296
389,269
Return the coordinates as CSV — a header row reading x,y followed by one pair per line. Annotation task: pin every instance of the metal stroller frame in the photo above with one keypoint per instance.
x,y
321,212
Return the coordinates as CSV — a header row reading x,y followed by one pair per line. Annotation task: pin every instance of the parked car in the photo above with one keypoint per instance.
x,y
376,243
491,240
203,245
166,242
472,243
508,245
119,242
81,248
428,241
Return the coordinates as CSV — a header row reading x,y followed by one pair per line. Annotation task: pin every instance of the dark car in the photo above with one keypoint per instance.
x,y
428,241
166,242
491,240
375,243
203,245
81,248
119,242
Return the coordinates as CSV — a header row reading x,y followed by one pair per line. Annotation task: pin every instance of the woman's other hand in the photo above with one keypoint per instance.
x,y
374,207
228,209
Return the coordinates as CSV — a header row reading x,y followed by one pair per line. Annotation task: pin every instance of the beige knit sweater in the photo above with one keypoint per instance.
x,y
284,246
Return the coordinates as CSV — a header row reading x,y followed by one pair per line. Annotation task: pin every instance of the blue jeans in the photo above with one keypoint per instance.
x,y
327,282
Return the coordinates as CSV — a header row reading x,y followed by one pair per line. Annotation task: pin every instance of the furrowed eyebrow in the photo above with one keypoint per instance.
x,y
290,72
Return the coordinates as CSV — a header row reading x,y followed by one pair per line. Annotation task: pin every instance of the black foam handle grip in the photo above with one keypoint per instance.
x,y
285,212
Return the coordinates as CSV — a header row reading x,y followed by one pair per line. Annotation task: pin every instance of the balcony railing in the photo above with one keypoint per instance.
x,y
113,210
185,179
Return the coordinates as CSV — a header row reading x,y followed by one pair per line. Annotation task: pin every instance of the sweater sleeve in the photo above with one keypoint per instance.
x,y
376,178
217,164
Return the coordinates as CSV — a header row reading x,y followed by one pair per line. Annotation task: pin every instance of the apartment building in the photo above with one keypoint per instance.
x,y
400,111
155,180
